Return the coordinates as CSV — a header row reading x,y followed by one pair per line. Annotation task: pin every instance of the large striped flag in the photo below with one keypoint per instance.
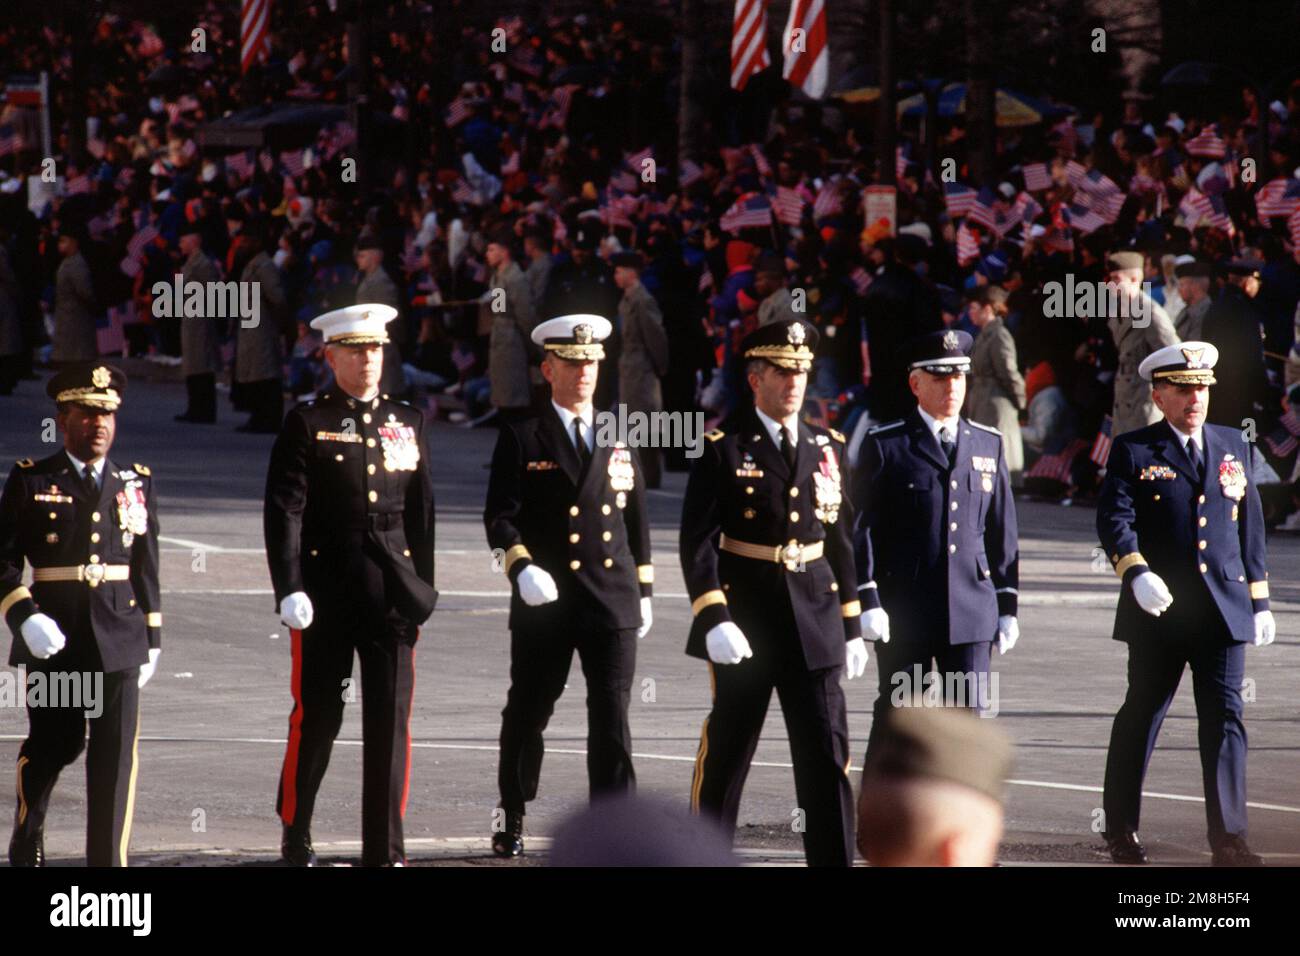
x,y
788,206
1279,197
748,41
806,55
753,210
829,202
1037,178
968,245
958,198
1207,144
254,33
1058,467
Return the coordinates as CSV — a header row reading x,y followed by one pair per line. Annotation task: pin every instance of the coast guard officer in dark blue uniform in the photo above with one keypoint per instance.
x,y
936,544
1182,522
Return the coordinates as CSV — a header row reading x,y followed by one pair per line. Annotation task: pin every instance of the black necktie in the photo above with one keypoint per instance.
x,y
88,479
788,450
948,445
584,453
1198,466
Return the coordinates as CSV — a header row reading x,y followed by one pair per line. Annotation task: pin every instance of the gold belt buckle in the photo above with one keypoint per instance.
x,y
94,573
792,555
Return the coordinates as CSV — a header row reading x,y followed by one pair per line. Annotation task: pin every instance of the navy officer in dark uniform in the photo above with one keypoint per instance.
x,y
349,529
566,514
936,543
1182,522
89,527
768,560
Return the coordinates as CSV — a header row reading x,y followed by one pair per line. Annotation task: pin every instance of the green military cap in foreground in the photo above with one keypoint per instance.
x,y
940,743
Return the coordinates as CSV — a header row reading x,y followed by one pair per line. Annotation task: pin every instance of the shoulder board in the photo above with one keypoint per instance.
x,y
837,435
877,429
715,434
25,463
142,469
987,428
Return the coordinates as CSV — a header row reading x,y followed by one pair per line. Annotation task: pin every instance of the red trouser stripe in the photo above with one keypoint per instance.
x,y
289,776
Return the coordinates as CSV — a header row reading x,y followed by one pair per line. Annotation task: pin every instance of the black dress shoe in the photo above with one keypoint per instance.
x,y
27,850
510,841
295,847
1234,852
1126,848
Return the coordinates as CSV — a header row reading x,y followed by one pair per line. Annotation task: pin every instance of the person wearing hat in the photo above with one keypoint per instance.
x,y
349,526
259,347
997,389
509,302
1141,327
200,338
377,286
1234,325
932,789
582,284
567,515
1181,520
936,541
89,528
537,250
644,359
768,562
1194,289
75,303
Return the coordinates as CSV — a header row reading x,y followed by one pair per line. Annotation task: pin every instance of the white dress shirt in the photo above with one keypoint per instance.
x,y
1184,438
567,417
97,469
790,424
935,424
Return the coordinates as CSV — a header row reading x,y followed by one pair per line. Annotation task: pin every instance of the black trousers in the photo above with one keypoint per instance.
x,y
956,675
57,736
265,403
812,702
1154,671
540,658
201,391
322,662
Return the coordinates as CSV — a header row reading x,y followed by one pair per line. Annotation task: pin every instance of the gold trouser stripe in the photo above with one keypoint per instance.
x,y
1126,562
769,552
77,572
645,573
13,597
514,554
22,800
1258,590
851,609
130,792
697,778
708,597
153,619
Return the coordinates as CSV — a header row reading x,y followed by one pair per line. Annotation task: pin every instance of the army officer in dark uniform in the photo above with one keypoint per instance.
x,y
1181,519
768,562
567,516
348,521
936,542
89,527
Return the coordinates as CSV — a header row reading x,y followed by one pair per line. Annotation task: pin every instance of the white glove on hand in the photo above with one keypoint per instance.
x,y
727,644
855,657
1151,593
1008,632
875,624
1265,628
146,670
647,618
536,586
296,611
42,636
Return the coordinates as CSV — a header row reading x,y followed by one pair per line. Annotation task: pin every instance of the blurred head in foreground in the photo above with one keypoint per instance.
x,y
636,831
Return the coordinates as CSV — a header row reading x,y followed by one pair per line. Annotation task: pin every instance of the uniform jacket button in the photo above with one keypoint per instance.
x,y
94,517
604,509
574,565
952,549
573,511
794,516
370,443
573,538
794,492
609,562
94,537
374,496
1204,568
370,469
606,536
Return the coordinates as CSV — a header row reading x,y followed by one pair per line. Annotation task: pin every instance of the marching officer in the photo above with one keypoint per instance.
x,y
89,527
568,515
768,561
349,524
1182,522
936,543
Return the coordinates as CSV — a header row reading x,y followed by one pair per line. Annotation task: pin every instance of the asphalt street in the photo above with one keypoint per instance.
x,y
215,716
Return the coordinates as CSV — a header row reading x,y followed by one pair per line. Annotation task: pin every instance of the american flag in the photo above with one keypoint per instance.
x,y
1278,197
748,41
255,33
900,163
958,198
1026,208
968,245
1207,144
510,165
95,146
457,112
1100,453
1196,206
621,179
1057,467
1107,208
462,192
240,165
760,161
1293,225
135,247
617,207
1085,220
981,212
635,162
556,113
1212,180
689,174
1283,439
10,140
1142,184
528,60
806,68
1076,173
1037,177
750,210
828,201
1098,185
293,162
861,280
788,206
706,280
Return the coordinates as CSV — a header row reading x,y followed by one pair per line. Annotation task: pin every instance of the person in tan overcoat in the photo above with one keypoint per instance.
x,y
996,394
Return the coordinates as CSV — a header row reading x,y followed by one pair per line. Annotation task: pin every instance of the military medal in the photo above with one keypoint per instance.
x,y
621,475
132,515
401,451
826,487
1232,478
